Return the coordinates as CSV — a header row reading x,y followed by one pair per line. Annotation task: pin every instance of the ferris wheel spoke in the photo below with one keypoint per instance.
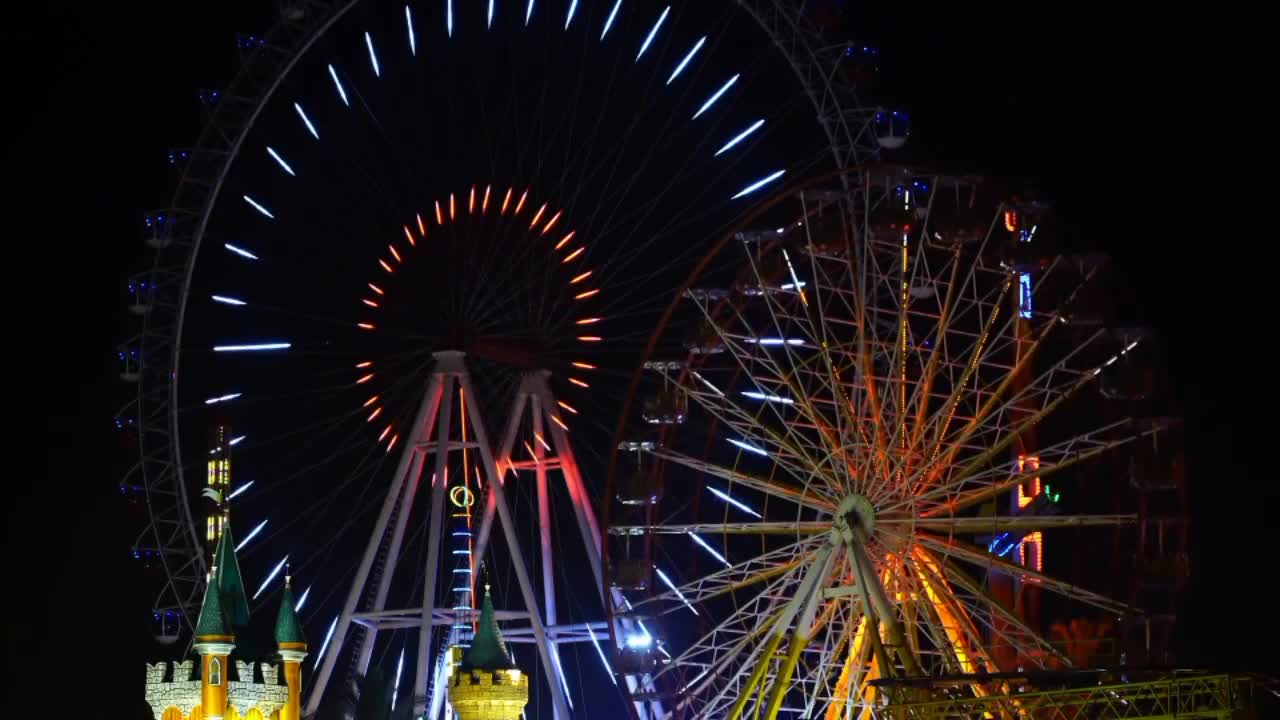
x,y
951,621
738,576
950,547
999,523
728,528
808,497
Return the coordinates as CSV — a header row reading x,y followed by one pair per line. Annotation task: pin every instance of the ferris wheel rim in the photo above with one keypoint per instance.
x,y
164,486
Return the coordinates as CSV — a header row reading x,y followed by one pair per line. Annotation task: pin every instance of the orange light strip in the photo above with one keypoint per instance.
x,y
370,401
565,240
439,214
578,382
532,455
365,326
422,227
562,404
392,444
369,302
506,200
537,216
581,277
573,255
364,379
552,222
585,295
384,433
376,412
588,321
590,338
376,289
543,442
453,209
394,253
385,266
409,235
520,202
364,364
1010,220
471,200
484,204
584,366
556,419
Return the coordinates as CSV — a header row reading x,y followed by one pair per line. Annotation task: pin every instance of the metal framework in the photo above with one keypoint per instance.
x,y
151,355
884,368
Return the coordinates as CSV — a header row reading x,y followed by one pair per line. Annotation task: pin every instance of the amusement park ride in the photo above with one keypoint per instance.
x,y
866,460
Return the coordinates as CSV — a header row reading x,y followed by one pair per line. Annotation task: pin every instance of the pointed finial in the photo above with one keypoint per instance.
x,y
288,575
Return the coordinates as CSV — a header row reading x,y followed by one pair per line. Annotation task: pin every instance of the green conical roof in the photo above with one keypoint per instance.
x,y
488,651
212,620
288,629
229,581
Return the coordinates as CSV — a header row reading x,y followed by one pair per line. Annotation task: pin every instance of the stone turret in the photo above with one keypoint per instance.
x,y
487,685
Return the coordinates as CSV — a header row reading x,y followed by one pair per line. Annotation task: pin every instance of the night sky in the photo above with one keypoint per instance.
x,y
1132,121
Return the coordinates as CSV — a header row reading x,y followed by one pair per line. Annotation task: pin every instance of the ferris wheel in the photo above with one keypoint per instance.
x,y
862,418
401,224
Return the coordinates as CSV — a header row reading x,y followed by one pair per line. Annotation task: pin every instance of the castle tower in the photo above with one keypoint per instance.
x,y
487,685
293,649
214,642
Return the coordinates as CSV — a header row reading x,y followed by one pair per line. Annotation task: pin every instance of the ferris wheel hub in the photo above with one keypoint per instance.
x,y
854,512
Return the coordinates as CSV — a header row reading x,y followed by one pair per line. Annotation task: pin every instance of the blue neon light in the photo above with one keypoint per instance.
x,y
1024,294
221,398
573,7
280,161
271,576
240,251
688,56
448,16
756,186
302,600
729,499
251,348
303,114
373,56
342,93
748,447
408,23
252,534
528,13
741,136
242,488
227,300
257,206
327,637
649,38
609,22
489,18
716,96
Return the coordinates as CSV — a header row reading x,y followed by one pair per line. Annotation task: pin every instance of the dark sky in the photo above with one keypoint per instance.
x,y
1132,119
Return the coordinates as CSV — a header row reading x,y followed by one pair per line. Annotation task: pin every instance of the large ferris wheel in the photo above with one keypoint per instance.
x,y
863,414
403,223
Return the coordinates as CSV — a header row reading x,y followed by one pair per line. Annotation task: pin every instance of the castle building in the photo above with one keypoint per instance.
x,y
218,687
486,684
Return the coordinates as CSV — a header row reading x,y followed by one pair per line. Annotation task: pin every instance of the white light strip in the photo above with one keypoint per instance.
x,y
302,600
573,7
716,96
258,207
251,348
649,38
252,534
240,251
373,56
776,341
280,161
748,447
241,489
600,651
395,690
306,120
675,590
221,398
272,576
688,56
325,645
227,300
236,440
736,503
528,13
754,126
489,18
448,16
608,24
408,23
707,382
342,93
714,553
768,398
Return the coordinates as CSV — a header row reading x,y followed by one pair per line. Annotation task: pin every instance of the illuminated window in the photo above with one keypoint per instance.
x,y
1024,294
215,672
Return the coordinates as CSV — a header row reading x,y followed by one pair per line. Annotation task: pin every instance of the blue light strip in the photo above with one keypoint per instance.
x,y
236,440
740,136
649,38
489,18
373,56
395,690
714,553
302,600
1024,294
573,7
252,534
227,300
342,93
748,447
736,503
408,23
608,24
688,56
272,576
327,637
528,13
448,16
603,660
221,398
240,251
257,206
768,398
667,581
303,114
250,348
756,186
280,161
242,488
716,96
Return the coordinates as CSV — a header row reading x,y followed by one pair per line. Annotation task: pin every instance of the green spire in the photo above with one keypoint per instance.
x,y
488,651
212,620
288,630
229,581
